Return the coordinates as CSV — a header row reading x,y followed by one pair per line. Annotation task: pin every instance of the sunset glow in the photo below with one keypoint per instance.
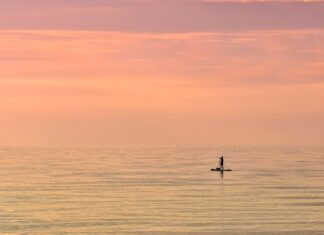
x,y
66,80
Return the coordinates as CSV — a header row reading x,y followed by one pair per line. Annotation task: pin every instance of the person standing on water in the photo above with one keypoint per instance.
x,y
221,162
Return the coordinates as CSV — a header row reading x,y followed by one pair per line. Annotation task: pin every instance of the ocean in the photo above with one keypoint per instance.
x,y
161,190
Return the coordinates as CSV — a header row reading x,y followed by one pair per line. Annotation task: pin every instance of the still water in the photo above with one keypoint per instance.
x,y
161,190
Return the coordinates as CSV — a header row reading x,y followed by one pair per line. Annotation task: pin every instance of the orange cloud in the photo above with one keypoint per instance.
x,y
81,87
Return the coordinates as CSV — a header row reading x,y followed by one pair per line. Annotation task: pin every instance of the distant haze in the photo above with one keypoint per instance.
x,y
140,72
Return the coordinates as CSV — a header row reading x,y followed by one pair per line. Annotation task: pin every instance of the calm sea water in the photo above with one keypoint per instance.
x,y
161,190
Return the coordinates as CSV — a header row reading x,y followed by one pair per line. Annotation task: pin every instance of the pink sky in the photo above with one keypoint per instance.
x,y
161,72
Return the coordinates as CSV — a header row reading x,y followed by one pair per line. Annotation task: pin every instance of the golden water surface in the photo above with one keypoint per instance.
x,y
161,190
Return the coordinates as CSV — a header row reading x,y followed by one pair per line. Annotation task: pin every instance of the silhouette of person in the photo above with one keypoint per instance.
x,y
221,163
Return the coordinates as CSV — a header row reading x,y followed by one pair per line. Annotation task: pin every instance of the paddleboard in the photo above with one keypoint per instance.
x,y
218,169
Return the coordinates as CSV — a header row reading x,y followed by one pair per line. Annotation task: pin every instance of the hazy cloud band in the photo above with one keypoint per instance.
x,y
160,16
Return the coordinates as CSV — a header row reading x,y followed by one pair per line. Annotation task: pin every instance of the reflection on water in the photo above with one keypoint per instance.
x,y
221,175
161,190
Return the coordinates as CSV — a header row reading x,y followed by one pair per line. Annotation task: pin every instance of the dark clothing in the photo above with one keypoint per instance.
x,y
221,163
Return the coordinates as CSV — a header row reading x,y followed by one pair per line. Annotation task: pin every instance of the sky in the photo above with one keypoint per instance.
x,y
161,72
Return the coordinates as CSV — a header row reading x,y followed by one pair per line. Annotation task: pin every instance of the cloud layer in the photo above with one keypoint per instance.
x,y
85,87
98,72
160,16
233,58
